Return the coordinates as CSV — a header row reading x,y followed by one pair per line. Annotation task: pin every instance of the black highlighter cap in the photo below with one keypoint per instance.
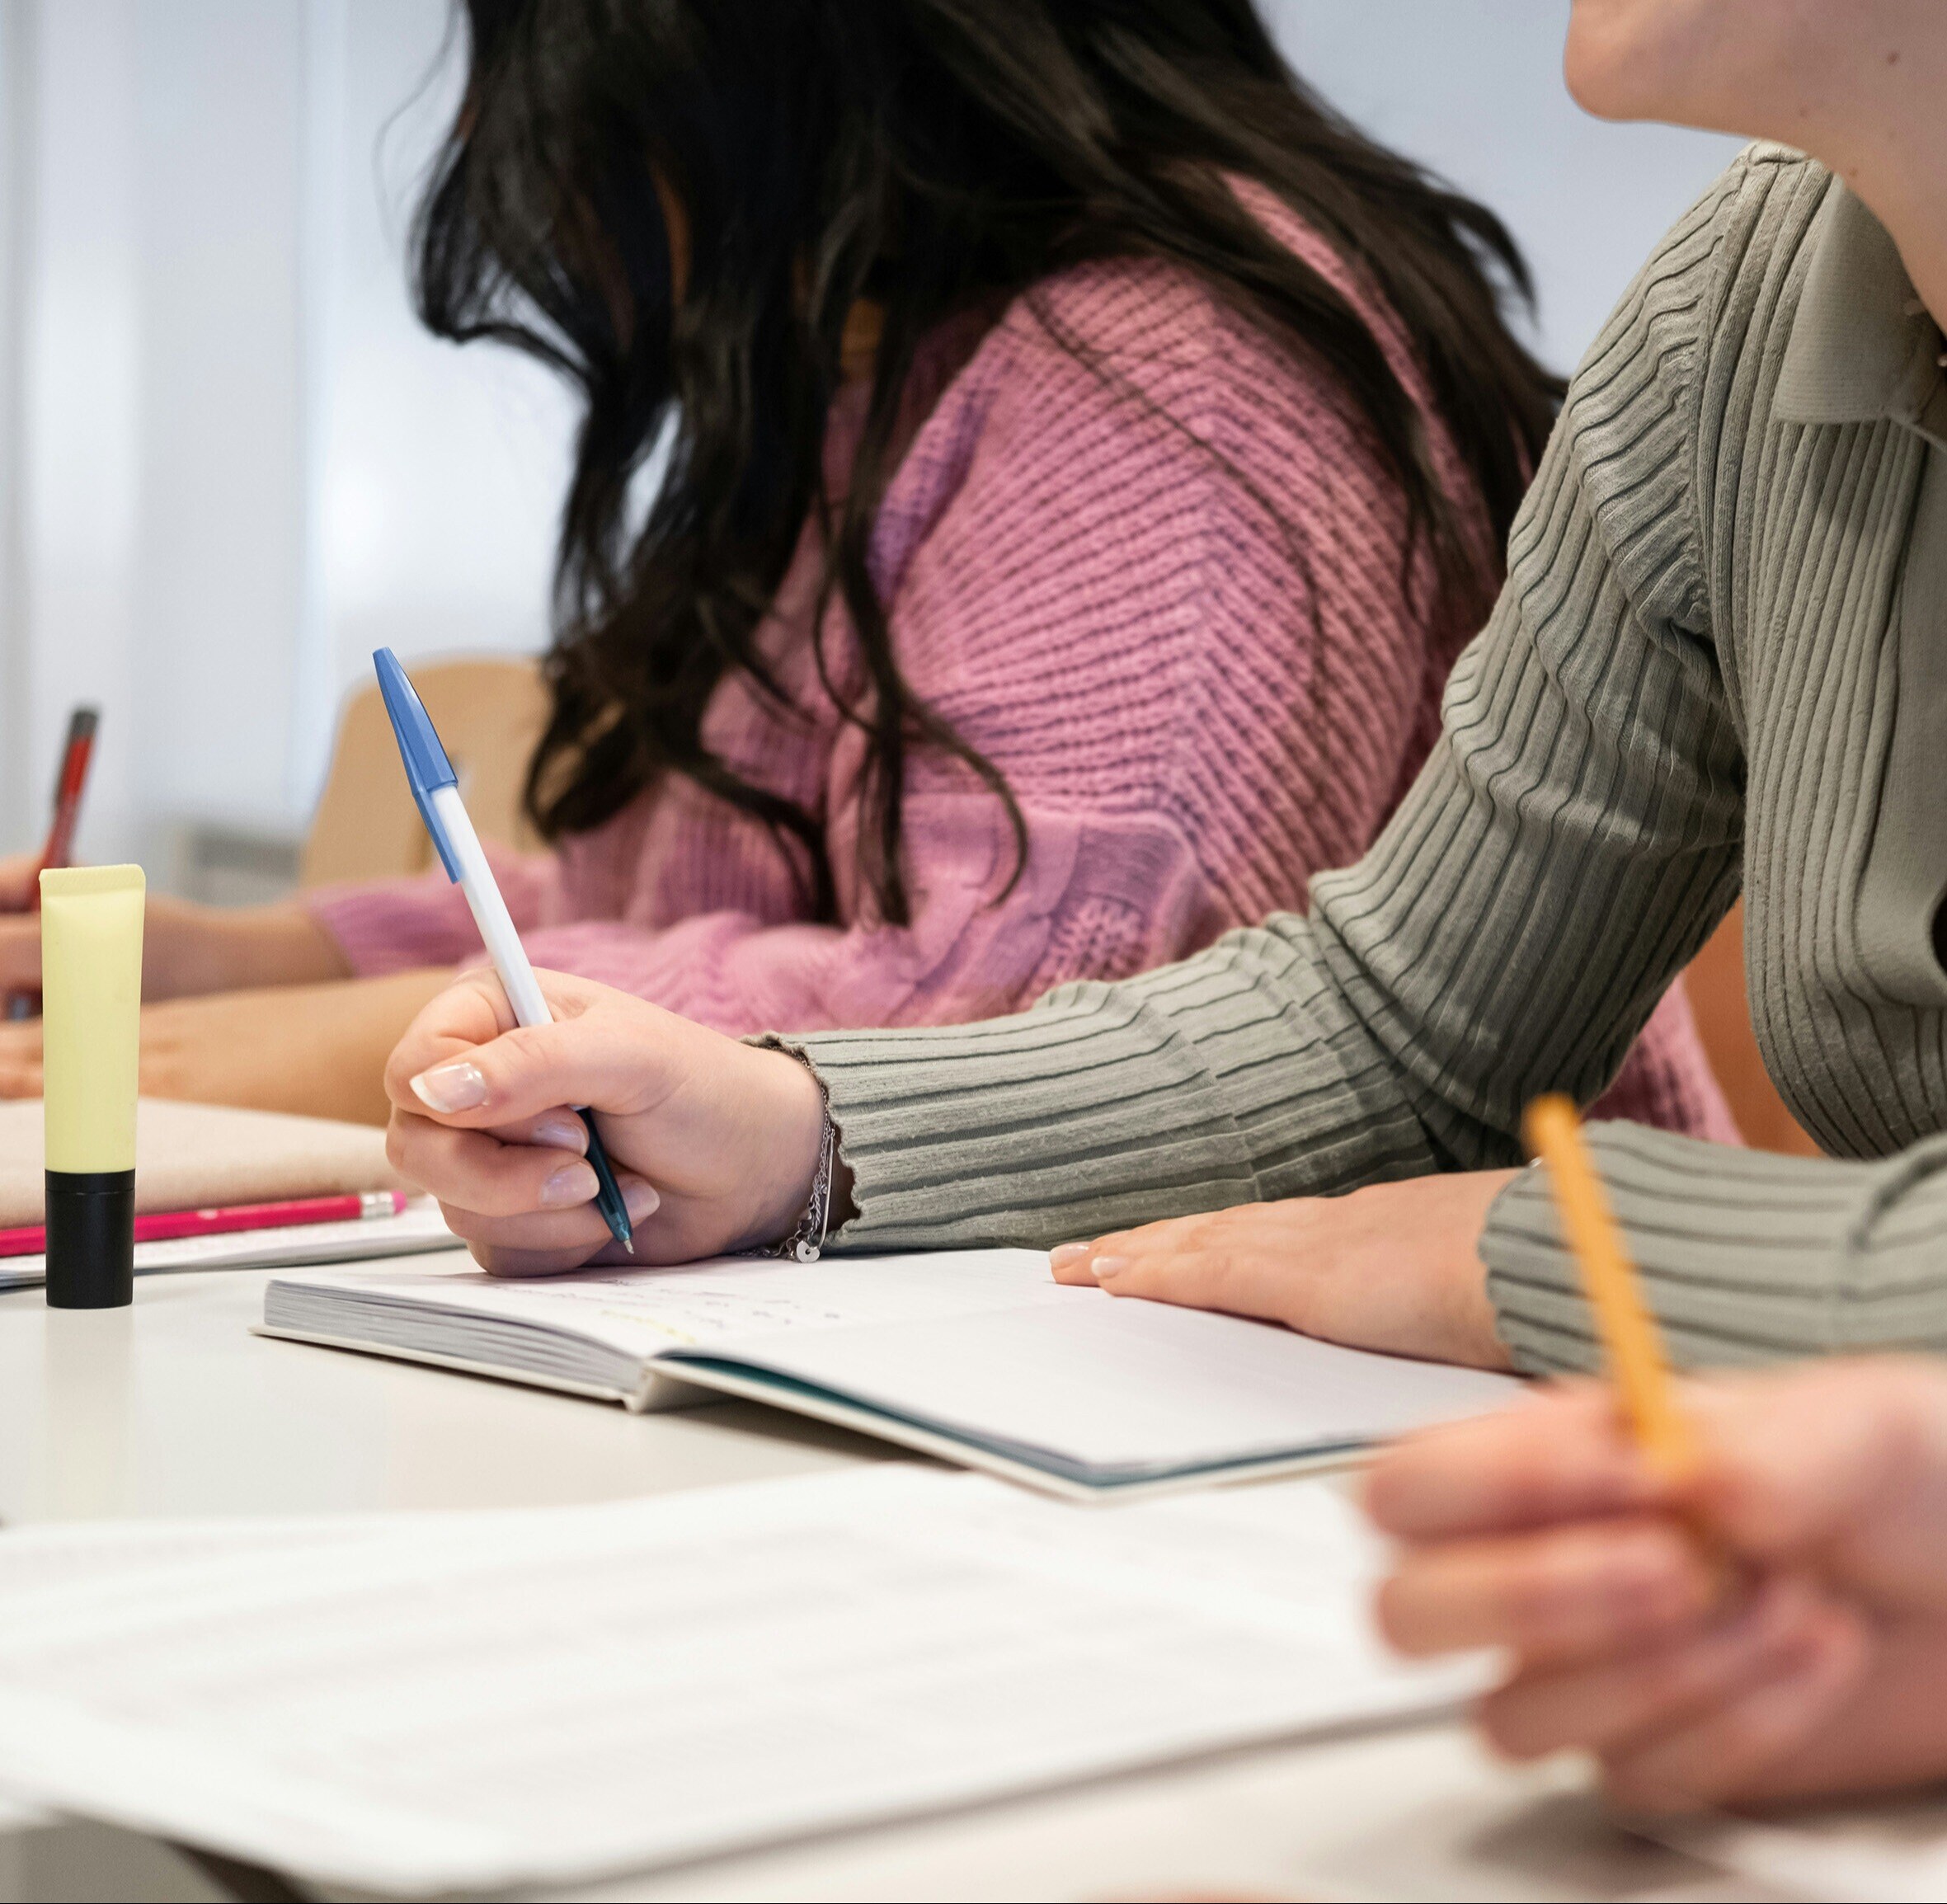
x,y
91,1239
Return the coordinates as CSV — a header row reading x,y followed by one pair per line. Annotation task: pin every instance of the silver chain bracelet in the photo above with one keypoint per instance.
x,y
806,1244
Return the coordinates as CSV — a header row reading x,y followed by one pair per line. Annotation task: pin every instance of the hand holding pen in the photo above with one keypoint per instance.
x,y
436,790
729,1132
1656,1565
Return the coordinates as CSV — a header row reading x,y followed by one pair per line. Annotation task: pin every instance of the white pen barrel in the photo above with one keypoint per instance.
x,y
490,910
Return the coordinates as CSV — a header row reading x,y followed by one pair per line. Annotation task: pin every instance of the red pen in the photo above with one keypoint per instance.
x,y
59,848
165,1226
75,758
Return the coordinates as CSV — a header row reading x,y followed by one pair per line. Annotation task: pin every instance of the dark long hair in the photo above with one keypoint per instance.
x,y
930,156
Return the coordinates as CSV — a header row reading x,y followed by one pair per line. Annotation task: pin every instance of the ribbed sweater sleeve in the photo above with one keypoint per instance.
x,y
1571,842
1746,1257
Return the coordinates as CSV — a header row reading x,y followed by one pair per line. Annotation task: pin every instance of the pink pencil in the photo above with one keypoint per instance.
x,y
165,1225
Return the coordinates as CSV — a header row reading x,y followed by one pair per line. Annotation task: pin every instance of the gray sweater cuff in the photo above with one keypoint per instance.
x,y
1078,1118
1746,1257
1238,1076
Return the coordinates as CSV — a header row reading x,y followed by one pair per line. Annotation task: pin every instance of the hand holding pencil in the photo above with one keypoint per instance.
x,y
1543,1531
1586,1534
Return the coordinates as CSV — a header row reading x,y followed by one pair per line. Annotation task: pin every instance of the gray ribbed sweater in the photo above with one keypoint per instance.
x,y
1721,656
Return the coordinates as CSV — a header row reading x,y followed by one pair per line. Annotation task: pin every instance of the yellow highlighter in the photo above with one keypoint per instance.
x,y
91,963
1631,1345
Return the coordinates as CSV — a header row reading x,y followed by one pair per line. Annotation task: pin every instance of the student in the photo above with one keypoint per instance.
x,y
1718,661
1814,1662
1085,456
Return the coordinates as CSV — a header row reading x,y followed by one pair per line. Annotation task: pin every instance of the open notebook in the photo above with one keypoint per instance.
x,y
976,1355
468,1702
202,1156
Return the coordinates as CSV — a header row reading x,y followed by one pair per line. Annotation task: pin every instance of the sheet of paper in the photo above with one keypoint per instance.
x,y
1891,1851
474,1701
417,1231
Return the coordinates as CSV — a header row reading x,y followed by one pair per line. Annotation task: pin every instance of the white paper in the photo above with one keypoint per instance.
x,y
1894,1852
418,1229
470,1702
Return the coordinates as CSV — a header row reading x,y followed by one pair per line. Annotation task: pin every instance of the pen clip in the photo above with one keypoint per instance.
x,y
427,768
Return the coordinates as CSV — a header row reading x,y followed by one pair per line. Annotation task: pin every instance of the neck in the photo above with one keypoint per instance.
x,y
1892,151
1914,211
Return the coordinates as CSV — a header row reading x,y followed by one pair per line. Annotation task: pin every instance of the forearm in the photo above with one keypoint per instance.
x,y
191,948
1220,1080
1571,842
317,1050
1746,1257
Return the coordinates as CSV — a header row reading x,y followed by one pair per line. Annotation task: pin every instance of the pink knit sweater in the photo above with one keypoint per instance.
x,y
1152,570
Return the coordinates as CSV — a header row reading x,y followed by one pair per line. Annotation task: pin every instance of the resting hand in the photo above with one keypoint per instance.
x,y
1394,1267
715,1142
1823,1670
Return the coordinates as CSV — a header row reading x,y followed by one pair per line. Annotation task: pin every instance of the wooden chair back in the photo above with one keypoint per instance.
x,y
1715,983
490,714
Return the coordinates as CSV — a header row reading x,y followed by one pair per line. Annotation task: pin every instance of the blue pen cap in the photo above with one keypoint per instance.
x,y
427,764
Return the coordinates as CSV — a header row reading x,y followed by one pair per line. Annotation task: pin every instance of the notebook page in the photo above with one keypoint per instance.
x,y
1114,1386
644,1312
484,1700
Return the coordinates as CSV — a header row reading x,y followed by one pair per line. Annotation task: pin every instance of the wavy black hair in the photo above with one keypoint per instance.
x,y
928,157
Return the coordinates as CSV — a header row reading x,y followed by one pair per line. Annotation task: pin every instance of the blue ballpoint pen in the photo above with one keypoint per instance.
x,y
436,790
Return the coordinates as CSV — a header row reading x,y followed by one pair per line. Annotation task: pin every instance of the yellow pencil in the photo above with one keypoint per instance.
x,y
1630,1342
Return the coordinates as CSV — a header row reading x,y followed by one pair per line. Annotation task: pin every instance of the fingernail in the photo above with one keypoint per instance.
x,y
562,1133
572,1183
1066,1255
642,1197
451,1087
1107,1268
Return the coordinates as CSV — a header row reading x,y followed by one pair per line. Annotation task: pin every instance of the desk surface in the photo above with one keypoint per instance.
x,y
173,1408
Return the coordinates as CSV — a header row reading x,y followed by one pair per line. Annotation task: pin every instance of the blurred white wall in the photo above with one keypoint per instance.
x,y
239,465
1473,89
230,464
15,134
441,470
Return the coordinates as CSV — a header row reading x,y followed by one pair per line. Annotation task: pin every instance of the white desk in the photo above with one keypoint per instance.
x,y
172,1407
